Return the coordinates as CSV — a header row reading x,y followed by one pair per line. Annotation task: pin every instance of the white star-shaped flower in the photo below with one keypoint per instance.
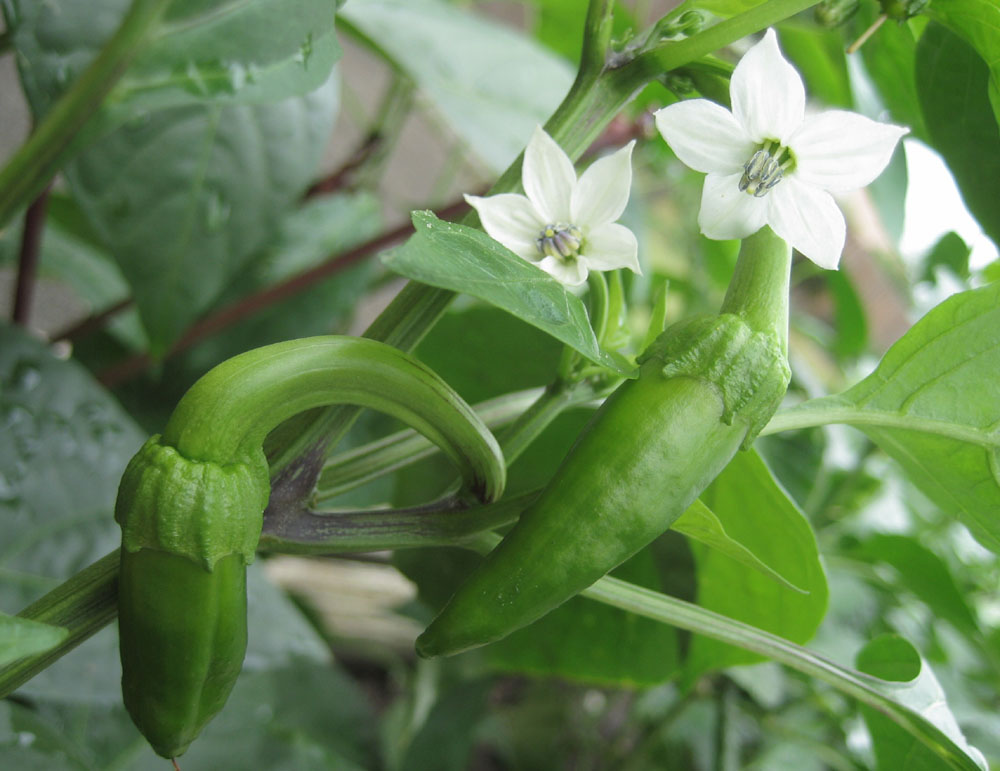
x,y
564,225
768,163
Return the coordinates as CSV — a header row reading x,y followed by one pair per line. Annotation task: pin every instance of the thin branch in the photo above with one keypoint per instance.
x,y
93,323
339,178
241,309
52,143
27,265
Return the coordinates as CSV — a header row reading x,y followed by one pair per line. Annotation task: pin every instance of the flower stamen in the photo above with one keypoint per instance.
x,y
762,172
559,240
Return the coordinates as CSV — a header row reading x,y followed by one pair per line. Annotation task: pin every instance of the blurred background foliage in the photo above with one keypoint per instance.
x,y
224,208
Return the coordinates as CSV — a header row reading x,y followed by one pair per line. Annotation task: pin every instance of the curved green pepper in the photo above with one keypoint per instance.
x,y
706,387
191,506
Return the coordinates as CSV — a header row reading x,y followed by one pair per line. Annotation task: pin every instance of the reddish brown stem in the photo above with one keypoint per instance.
x,y
339,179
92,323
241,309
27,266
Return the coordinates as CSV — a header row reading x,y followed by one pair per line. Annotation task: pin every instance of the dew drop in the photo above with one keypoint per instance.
x,y
25,376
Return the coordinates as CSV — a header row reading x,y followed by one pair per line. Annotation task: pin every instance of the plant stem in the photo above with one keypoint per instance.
x,y
51,144
27,266
83,605
669,55
353,468
526,428
866,689
758,291
437,524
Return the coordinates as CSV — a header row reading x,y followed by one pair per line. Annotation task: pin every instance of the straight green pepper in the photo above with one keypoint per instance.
x,y
705,388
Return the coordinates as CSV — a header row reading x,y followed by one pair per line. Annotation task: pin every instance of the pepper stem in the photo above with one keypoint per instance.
x,y
758,291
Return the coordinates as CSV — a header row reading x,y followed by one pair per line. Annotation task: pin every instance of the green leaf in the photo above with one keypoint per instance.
x,y
890,57
700,523
926,575
949,252
462,259
933,404
757,514
952,84
850,324
203,50
186,196
484,352
908,681
308,236
978,23
20,637
491,85
818,55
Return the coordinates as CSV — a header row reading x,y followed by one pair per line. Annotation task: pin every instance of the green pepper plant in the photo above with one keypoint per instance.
x,y
598,433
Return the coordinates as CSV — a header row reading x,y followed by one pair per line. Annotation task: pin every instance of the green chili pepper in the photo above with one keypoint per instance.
x,y
706,388
191,505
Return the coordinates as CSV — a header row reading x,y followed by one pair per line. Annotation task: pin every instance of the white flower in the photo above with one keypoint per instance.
x,y
768,163
564,225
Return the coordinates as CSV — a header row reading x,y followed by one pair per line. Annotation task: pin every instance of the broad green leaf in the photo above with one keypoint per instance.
x,y
300,716
890,57
978,23
186,196
20,637
249,51
484,352
818,55
907,680
933,404
757,514
462,259
64,443
314,233
924,574
952,84
491,85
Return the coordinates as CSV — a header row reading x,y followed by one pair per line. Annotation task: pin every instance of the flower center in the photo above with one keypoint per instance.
x,y
765,169
560,240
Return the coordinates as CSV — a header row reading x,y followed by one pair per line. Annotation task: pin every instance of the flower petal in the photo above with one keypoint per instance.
x,y
808,218
610,247
841,151
767,93
602,192
512,220
568,272
548,177
705,136
728,213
